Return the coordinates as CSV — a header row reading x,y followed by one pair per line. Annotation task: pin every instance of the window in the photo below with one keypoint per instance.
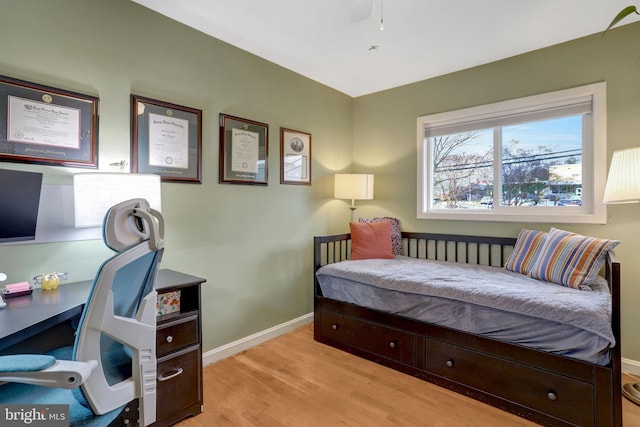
x,y
535,159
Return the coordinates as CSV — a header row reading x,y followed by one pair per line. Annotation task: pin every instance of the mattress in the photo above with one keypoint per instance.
x,y
484,300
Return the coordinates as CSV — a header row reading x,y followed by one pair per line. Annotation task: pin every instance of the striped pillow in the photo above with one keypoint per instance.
x,y
570,259
525,251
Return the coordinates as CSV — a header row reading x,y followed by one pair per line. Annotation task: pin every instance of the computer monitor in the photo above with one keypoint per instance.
x,y
19,201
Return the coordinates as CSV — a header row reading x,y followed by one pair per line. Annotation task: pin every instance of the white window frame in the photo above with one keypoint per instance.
x,y
594,154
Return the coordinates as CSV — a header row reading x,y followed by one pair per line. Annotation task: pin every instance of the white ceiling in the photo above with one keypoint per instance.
x,y
330,41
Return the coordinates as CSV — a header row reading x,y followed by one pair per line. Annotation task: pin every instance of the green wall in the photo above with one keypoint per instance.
x,y
385,137
253,244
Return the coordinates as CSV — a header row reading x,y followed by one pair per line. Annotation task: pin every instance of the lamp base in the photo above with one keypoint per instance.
x,y
632,392
353,211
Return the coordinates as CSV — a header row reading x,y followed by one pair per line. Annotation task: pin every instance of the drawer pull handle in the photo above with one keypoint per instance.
x,y
450,363
393,344
169,339
335,326
552,395
172,374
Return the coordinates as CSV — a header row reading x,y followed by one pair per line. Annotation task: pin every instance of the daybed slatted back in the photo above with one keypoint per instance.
x,y
482,250
330,249
444,247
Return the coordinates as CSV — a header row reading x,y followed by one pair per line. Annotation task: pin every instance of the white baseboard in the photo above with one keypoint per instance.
x,y
245,343
631,366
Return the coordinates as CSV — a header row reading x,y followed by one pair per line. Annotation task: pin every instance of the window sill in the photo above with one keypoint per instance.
x,y
534,215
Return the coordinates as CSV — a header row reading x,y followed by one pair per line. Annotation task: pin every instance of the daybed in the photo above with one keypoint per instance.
x,y
550,386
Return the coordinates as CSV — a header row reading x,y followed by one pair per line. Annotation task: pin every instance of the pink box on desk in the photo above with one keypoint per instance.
x,y
17,289
167,303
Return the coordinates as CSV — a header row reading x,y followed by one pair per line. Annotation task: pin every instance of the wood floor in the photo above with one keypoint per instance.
x,y
295,381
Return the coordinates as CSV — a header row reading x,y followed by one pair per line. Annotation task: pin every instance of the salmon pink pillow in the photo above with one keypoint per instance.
x,y
371,240
396,234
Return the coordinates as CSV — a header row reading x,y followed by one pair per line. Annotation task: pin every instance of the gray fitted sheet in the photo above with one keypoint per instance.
x,y
483,300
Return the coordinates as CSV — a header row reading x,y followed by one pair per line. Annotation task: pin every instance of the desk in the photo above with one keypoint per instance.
x,y
30,316
41,321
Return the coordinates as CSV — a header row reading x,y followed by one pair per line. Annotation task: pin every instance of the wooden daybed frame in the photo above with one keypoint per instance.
x,y
542,387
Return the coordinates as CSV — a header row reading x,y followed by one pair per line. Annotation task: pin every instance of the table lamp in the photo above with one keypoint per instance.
x,y
623,186
95,192
353,187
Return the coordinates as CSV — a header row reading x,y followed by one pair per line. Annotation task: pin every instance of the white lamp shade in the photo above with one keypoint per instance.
x,y
353,186
95,193
623,183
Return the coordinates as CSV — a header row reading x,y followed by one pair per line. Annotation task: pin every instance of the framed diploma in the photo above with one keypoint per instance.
x,y
243,151
295,157
166,140
45,125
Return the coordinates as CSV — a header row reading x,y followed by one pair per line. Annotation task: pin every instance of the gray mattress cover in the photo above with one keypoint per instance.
x,y
483,300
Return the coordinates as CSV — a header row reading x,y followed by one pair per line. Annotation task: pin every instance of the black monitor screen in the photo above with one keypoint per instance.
x,y
19,200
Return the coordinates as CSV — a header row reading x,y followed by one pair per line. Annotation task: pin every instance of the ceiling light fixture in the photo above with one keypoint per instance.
x,y
381,17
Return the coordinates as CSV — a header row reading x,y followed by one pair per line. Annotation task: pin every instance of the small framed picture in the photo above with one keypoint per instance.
x,y
295,157
244,149
166,140
45,125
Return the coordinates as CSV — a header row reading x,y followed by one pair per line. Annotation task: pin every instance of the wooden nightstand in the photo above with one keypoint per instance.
x,y
179,351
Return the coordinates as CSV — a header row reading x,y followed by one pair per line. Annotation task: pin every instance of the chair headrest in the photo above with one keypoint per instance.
x,y
131,222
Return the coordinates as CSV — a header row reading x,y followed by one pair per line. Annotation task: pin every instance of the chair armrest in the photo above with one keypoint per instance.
x,y
62,374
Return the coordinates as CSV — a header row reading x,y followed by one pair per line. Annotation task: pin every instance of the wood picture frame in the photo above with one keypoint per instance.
x,y
295,157
46,125
166,140
244,151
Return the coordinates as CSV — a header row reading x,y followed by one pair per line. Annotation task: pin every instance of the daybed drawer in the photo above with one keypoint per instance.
x,y
383,341
568,399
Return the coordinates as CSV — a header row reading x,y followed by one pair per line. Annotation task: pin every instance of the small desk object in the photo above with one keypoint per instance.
x,y
44,320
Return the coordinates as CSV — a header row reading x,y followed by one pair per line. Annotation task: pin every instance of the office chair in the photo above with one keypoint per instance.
x,y
113,360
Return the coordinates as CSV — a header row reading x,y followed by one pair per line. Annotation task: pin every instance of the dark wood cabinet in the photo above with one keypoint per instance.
x,y
179,351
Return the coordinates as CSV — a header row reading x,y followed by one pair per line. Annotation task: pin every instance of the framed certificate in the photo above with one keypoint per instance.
x,y
295,157
45,125
166,140
244,148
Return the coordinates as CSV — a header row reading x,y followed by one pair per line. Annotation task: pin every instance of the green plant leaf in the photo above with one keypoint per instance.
x,y
620,16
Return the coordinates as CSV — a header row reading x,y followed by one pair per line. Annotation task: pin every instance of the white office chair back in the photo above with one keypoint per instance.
x,y
128,223
118,325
